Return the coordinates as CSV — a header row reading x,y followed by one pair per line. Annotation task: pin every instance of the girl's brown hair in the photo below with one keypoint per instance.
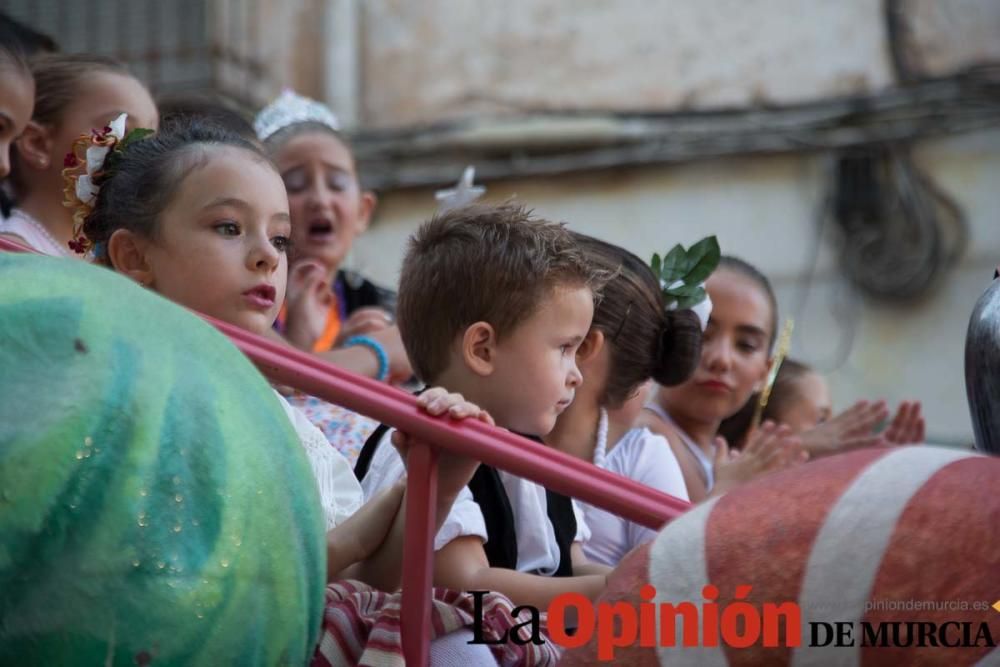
x,y
646,339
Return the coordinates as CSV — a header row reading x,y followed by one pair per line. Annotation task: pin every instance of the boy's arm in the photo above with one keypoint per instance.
x,y
384,566
462,566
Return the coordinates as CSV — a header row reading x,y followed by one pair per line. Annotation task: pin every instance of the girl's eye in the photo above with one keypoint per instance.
x,y
228,228
747,346
566,349
282,243
338,180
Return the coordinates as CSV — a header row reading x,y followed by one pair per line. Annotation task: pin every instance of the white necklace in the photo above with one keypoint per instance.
x,y
28,218
601,448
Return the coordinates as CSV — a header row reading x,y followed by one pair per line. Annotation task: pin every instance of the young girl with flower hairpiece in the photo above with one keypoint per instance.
x,y
214,238
73,93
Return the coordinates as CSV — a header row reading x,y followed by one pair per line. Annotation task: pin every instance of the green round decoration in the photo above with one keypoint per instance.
x,y
156,506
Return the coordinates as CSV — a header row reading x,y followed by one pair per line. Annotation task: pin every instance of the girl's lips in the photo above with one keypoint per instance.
x,y
715,385
261,296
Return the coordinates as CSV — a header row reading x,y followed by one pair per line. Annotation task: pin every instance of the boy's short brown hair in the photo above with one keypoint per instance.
x,y
489,263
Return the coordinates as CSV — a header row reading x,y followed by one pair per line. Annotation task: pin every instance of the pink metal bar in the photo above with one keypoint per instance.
x,y
418,548
493,446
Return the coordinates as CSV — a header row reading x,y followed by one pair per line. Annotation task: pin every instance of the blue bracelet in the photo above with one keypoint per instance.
x,y
376,347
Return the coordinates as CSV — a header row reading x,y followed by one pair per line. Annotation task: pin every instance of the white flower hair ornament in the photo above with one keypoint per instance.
x,y
682,274
92,157
289,109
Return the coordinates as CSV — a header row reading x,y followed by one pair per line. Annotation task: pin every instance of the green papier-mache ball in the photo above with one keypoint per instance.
x,y
155,503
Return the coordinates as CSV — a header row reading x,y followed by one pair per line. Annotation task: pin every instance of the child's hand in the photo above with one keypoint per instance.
x,y
454,471
364,321
851,429
907,427
307,303
359,536
768,449
437,401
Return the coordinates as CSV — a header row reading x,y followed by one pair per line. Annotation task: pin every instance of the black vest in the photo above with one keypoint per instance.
x,y
491,496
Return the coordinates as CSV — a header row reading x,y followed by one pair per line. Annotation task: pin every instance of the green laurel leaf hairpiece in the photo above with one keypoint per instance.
x,y
682,273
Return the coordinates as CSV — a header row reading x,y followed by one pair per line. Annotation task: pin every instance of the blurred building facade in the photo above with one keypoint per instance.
x,y
650,124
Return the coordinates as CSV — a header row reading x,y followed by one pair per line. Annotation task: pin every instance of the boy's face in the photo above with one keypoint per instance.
x,y
536,374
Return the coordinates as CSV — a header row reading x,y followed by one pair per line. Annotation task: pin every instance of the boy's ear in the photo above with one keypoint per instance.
x,y
590,347
34,146
479,343
127,254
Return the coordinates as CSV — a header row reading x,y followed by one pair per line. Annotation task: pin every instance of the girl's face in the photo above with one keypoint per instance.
x,y
220,245
809,406
328,208
17,98
734,351
101,98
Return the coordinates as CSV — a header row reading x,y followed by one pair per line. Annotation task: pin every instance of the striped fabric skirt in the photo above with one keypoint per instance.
x,y
361,627
886,556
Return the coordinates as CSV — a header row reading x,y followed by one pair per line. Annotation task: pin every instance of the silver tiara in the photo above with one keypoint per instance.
x,y
291,109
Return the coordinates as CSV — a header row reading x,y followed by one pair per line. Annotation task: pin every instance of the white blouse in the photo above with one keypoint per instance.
x,y
537,549
33,233
645,457
339,491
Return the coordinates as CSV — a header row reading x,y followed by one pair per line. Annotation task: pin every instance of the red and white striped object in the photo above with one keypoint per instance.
x,y
908,534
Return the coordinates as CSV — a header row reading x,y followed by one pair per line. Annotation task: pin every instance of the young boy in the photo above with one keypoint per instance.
x,y
493,305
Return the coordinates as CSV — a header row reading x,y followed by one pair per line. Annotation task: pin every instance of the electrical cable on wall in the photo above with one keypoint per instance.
x,y
899,231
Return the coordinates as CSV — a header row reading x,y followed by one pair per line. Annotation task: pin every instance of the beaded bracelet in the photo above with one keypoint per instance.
x,y
376,347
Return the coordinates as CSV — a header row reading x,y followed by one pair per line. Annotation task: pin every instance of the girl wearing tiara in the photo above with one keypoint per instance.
x,y
329,209
72,95
217,243
327,306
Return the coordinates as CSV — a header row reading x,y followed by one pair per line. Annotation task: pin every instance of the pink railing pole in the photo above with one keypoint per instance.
x,y
496,447
418,550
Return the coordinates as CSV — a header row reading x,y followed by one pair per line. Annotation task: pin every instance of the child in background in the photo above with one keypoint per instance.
x,y
329,307
633,337
800,398
214,240
735,359
493,304
327,304
72,95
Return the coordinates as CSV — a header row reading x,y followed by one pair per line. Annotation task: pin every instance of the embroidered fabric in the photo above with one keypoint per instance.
x,y
339,491
33,232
